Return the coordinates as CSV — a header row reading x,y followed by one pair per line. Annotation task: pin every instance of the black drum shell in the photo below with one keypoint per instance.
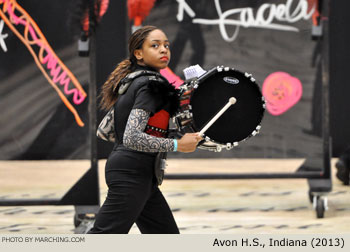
x,y
213,92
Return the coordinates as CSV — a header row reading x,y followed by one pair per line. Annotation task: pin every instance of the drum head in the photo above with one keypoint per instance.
x,y
213,93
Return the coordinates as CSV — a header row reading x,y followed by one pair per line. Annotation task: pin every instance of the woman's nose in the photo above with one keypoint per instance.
x,y
163,48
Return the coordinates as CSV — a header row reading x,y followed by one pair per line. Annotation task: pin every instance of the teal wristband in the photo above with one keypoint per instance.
x,y
175,145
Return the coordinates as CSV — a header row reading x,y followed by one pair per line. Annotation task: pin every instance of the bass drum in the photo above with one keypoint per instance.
x,y
202,98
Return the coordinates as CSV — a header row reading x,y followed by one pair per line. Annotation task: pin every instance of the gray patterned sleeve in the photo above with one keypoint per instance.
x,y
135,138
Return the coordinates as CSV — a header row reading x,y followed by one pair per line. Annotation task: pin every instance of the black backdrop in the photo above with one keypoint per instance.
x,y
35,124
339,81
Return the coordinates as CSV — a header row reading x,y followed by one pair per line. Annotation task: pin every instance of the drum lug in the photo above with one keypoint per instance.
x,y
185,114
263,102
248,75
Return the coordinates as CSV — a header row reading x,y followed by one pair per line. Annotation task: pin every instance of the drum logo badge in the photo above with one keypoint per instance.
x,y
231,80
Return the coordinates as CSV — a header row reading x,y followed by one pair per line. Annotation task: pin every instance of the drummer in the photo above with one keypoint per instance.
x,y
142,117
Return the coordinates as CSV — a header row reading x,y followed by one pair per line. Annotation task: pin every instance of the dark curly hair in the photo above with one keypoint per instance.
x,y
136,40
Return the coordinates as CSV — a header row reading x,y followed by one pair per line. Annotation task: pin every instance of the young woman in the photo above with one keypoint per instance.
x,y
141,121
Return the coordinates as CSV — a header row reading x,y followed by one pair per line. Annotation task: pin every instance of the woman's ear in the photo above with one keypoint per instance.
x,y
138,54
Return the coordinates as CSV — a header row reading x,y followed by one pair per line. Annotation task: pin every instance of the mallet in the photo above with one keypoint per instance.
x,y
231,101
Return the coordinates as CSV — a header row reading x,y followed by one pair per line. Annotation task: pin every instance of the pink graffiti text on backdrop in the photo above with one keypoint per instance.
x,y
50,59
62,79
281,91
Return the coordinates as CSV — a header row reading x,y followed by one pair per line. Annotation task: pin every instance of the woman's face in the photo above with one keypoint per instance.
x,y
155,51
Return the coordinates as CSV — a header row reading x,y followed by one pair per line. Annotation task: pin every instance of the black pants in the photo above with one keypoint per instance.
x,y
133,196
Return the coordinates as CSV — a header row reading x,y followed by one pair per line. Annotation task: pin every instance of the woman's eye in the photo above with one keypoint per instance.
x,y
155,45
167,46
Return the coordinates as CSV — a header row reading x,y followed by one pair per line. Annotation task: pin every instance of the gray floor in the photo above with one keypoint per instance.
x,y
199,206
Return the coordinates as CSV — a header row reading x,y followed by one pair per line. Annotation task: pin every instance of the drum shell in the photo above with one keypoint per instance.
x,y
202,98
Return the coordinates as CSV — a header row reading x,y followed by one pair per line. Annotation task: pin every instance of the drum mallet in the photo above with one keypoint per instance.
x,y
231,101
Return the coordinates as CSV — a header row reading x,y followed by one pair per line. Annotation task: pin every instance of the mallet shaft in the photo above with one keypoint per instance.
x,y
231,101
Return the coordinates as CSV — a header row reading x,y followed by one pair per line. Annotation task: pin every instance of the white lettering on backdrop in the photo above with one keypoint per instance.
x,y
265,16
183,6
2,37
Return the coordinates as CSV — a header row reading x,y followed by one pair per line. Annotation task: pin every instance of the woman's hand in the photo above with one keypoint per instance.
x,y
188,142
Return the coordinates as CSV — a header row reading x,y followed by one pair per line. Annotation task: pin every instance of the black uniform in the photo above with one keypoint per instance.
x,y
133,193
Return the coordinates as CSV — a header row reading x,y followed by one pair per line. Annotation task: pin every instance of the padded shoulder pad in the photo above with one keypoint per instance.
x,y
152,76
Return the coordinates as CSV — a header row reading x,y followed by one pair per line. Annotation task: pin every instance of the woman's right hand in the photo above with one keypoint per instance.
x,y
188,142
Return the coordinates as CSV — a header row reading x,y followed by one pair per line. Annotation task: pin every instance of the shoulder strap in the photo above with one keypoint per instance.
x,y
152,76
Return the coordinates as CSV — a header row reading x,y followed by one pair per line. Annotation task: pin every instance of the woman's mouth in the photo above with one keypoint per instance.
x,y
164,58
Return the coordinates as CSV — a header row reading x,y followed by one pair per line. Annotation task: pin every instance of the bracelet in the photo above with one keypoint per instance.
x,y
175,145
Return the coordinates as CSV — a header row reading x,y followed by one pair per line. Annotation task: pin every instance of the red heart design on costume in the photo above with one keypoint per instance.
x,y
281,91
